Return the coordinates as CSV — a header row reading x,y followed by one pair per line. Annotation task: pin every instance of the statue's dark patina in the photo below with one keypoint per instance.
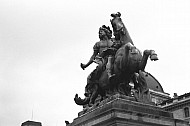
x,y
124,63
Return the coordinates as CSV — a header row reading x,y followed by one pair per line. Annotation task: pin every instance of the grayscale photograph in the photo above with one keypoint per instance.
x,y
94,63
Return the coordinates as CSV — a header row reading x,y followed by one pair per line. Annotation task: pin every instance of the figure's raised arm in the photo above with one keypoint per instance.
x,y
83,66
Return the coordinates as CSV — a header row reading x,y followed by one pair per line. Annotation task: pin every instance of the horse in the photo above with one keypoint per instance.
x,y
128,60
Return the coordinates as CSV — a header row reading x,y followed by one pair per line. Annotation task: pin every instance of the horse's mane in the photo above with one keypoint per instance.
x,y
127,35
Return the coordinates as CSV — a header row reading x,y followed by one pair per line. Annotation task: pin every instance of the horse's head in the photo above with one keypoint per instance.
x,y
117,24
119,30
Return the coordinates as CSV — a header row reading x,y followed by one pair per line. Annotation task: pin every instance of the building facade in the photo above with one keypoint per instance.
x,y
179,106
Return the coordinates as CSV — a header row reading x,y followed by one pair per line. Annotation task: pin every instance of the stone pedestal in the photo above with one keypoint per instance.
x,y
124,111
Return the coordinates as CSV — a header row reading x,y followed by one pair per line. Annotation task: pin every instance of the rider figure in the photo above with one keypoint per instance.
x,y
101,54
110,53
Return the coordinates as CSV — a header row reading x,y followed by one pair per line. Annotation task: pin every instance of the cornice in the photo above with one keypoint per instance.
x,y
177,105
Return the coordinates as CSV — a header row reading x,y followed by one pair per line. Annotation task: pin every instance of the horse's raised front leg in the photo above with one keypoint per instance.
x,y
146,54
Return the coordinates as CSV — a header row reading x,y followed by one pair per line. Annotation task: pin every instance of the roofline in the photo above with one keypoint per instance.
x,y
176,98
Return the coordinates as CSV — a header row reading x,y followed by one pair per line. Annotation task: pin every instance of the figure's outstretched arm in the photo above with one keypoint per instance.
x,y
83,66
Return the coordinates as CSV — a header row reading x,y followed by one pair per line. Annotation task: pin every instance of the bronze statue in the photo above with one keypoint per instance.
x,y
100,57
128,53
126,61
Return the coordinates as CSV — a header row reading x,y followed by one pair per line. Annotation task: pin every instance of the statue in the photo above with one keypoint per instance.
x,y
124,63
128,59
101,58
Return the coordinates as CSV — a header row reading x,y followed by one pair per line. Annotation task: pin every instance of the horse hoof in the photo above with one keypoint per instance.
x,y
153,57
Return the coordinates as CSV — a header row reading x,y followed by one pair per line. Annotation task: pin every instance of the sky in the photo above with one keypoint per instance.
x,y
43,42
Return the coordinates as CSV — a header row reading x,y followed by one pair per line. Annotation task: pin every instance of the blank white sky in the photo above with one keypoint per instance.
x,y
43,42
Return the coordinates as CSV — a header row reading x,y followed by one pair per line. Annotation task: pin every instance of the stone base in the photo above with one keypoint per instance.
x,y
122,111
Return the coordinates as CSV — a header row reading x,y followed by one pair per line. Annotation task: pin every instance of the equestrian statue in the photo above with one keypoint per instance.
x,y
119,63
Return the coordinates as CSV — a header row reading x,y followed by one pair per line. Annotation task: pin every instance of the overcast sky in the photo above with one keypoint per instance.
x,y
43,42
